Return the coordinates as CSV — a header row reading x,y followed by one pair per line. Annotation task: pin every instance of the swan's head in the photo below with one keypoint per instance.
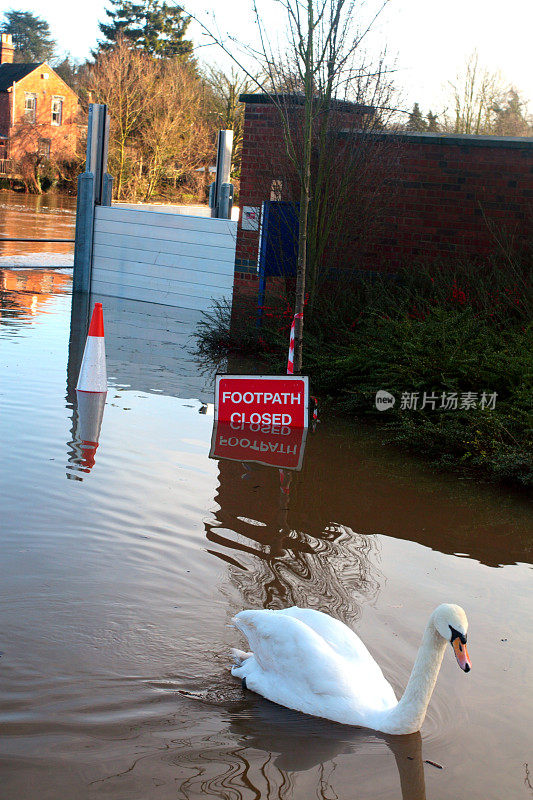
x,y
451,622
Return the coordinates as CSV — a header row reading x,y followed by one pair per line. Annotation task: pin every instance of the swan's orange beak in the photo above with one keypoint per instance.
x,y
461,654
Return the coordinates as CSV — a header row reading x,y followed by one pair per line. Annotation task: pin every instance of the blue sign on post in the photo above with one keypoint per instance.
x,y
278,252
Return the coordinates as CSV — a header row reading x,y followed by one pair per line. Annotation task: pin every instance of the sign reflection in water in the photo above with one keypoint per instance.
x,y
297,559
270,445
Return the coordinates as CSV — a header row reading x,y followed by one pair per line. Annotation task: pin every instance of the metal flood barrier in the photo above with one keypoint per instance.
x,y
139,253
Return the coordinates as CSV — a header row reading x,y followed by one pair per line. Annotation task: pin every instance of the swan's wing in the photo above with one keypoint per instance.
x,y
338,635
289,651
293,665
364,671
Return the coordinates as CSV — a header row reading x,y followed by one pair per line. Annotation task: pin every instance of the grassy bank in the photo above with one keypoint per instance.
x,y
454,349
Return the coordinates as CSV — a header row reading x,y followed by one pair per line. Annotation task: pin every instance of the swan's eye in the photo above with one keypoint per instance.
x,y
457,635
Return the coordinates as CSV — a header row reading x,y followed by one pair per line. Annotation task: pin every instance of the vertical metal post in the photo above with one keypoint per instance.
x,y
94,188
225,202
224,151
261,262
107,189
83,245
97,146
79,325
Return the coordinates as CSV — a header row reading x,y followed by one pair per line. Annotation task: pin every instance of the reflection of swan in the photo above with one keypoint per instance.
x,y
276,754
306,660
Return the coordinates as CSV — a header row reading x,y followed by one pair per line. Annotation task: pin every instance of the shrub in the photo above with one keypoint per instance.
x,y
420,331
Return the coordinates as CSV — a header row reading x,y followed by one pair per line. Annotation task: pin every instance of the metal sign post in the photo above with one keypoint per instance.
x,y
94,189
97,147
221,196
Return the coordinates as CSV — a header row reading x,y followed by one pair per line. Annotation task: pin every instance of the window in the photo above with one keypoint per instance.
x,y
57,110
43,148
30,106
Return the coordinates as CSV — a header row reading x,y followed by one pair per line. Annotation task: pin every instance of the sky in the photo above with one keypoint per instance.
x,y
429,41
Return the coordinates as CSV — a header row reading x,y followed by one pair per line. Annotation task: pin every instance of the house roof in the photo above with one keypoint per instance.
x,y
9,73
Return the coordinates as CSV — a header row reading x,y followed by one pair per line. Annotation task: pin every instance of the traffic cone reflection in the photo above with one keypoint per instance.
x,y
90,414
93,373
91,392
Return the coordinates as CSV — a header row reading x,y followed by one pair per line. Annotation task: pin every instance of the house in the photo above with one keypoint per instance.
x,y
38,112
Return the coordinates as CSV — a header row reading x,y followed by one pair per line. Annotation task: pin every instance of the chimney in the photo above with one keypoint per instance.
x,y
6,49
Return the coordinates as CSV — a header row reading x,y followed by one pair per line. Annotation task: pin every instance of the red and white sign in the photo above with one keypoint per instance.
x,y
271,445
263,400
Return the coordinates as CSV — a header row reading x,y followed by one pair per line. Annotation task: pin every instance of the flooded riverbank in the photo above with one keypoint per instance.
x,y
47,216
121,577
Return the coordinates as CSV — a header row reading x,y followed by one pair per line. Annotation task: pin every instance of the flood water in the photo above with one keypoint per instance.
x,y
36,217
121,573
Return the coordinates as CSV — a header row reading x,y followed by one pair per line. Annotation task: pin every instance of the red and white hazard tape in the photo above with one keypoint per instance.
x,y
290,362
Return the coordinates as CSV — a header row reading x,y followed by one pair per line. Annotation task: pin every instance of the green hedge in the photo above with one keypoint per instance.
x,y
435,331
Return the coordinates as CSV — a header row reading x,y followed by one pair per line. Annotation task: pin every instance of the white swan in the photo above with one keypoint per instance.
x,y
308,661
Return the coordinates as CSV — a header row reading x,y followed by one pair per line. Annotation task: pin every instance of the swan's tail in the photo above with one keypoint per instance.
x,y
239,656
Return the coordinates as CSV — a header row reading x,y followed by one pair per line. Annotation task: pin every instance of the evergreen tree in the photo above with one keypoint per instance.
x,y
31,36
150,25
416,121
510,116
432,122
122,16
68,70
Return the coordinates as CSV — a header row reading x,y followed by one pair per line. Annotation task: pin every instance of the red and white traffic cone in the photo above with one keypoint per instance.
x,y
93,373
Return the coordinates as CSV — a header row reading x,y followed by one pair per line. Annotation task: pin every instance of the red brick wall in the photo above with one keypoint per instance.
x,y
452,197
262,148
63,137
441,197
265,159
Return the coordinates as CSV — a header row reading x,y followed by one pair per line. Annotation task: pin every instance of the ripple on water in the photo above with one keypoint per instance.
x,y
118,587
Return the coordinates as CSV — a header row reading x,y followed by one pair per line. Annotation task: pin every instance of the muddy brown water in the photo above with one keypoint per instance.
x,y
120,578
45,216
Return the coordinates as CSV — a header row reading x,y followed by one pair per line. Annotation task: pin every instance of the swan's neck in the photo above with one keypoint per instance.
x,y
408,715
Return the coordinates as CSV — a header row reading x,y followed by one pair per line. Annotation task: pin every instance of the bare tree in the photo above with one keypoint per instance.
x,y
475,93
123,80
325,63
158,125
226,88
485,104
175,136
